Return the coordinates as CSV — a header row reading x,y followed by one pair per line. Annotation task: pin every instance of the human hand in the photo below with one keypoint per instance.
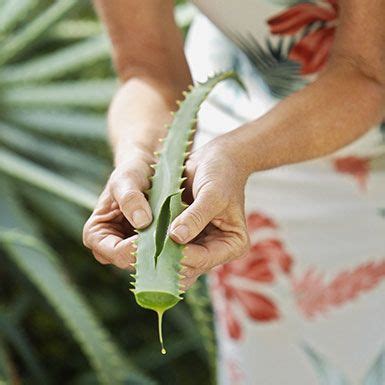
x,y
122,206
214,226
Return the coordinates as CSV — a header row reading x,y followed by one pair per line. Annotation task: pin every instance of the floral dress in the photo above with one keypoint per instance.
x,y
306,306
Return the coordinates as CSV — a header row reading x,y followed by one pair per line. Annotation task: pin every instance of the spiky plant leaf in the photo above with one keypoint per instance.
x,y
13,11
34,29
24,170
199,302
75,29
6,374
59,63
53,152
42,266
158,256
85,93
22,346
60,123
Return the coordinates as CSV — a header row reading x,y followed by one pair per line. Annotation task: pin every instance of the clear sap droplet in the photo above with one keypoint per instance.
x,y
160,318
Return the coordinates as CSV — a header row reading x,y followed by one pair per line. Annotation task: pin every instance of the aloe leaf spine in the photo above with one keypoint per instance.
x,y
158,257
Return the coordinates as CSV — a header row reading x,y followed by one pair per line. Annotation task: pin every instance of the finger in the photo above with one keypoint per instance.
x,y
101,260
186,283
196,217
213,252
114,250
127,191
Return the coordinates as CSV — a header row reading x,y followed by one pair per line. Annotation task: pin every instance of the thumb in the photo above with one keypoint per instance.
x,y
196,217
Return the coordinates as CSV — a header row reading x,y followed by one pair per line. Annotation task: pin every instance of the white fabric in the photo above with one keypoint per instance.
x,y
325,219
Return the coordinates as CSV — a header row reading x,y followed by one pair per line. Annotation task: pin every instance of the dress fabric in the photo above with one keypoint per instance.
x,y
306,306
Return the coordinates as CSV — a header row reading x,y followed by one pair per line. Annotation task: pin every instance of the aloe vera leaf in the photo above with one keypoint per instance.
x,y
6,369
61,62
16,337
27,171
13,11
86,93
19,238
198,299
60,123
34,29
75,29
158,257
59,155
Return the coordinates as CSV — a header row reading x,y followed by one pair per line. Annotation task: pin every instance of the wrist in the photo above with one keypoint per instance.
x,y
127,150
240,147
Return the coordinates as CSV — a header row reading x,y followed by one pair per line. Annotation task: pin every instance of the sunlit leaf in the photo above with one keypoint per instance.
x,y
58,63
22,169
34,29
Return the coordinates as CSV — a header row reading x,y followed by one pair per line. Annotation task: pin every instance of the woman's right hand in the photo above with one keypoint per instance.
x,y
121,208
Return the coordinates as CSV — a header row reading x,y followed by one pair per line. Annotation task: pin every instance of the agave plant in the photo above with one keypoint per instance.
x,y
55,84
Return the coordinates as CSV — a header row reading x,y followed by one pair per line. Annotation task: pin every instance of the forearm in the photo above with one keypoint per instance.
x,y
138,115
149,59
332,112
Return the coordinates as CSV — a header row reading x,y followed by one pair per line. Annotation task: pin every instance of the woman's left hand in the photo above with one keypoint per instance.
x,y
213,227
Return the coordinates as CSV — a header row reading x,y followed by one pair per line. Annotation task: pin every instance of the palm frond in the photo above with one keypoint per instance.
x,y
281,75
327,373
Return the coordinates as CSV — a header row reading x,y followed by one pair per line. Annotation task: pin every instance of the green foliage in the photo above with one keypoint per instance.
x,y
58,307
158,257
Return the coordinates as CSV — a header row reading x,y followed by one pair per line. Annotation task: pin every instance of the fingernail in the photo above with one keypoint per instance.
x,y
181,232
140,218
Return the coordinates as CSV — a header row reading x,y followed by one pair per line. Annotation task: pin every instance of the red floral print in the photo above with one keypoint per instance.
x,y
261,264
312,49
314,295
358,167
267,259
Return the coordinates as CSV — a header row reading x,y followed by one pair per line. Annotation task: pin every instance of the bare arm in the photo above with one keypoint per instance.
x,y
345,102
148,55
149,58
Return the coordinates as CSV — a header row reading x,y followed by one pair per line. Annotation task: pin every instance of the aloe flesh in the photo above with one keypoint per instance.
x,y
158,258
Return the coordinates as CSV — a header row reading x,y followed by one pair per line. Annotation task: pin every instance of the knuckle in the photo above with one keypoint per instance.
x,y
244,243
87,235
196,218
120,177
102,261
202,264
115,178
129,197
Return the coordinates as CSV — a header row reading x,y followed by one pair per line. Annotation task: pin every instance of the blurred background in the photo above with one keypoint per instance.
x,y
65,319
